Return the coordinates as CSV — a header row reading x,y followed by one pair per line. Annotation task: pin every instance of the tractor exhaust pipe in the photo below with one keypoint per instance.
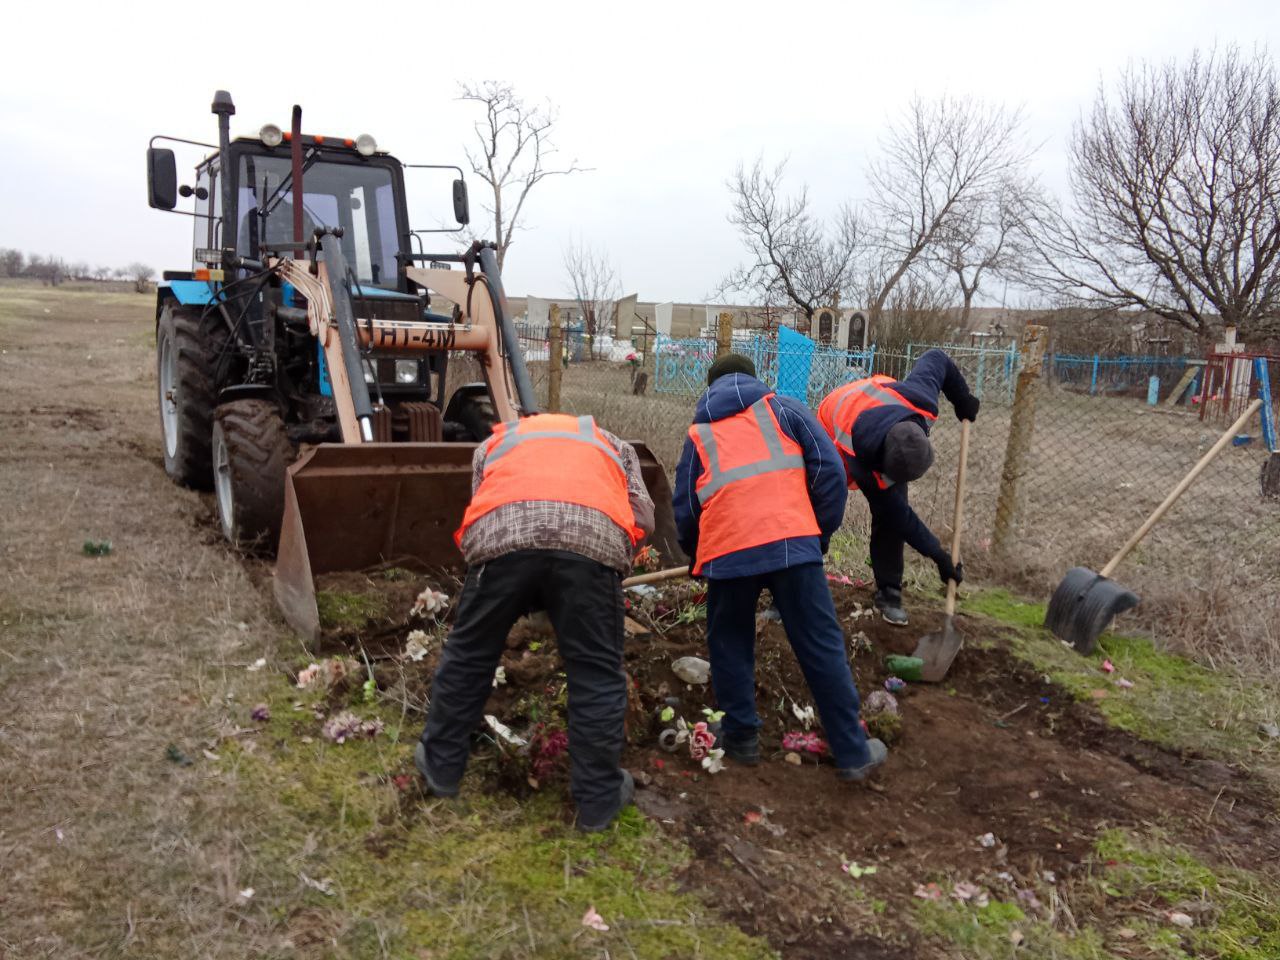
x,y
225,109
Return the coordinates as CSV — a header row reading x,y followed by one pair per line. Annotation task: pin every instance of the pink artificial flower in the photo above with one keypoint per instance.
x,y
701,740
804,742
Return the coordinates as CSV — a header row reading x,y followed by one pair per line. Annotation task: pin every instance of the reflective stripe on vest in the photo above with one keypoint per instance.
x,y
586,434
876,392
777,459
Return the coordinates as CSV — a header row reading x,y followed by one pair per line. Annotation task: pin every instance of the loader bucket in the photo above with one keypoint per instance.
x,y
351,507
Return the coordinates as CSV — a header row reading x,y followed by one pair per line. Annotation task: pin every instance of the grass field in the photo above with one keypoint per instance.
x,y
145,813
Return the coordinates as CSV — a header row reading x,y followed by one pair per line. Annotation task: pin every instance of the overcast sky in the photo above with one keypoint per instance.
x,y
661,100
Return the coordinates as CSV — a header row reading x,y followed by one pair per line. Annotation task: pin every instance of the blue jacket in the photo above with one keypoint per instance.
x,y
934,373
730,395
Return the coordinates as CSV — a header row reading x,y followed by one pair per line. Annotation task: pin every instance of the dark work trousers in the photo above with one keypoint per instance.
x,y
887,544
808,613
583,599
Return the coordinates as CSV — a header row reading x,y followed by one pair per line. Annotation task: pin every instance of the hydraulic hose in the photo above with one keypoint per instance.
x,y
515,355
336,266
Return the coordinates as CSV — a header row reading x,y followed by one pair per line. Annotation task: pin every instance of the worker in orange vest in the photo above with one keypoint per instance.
x,y
558,508
881,427
759,492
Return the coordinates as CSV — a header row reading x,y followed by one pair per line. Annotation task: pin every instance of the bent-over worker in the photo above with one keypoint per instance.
x,y
759,492
881,427
557,508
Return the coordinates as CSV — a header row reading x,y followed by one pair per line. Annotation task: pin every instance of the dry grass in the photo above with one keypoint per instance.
x,y
1098,466
109,847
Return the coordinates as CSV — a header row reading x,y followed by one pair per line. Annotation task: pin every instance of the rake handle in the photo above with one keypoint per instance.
x,y
958,519
1181,488
656,577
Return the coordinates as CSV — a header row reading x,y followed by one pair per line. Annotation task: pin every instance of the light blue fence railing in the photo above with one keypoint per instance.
x,y
798,367
791,364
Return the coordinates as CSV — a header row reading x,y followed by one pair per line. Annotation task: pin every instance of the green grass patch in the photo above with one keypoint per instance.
x,y
348,611
1236,913
482,876
1122,907
1174,701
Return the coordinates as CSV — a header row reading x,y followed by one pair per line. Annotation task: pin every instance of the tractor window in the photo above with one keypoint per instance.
x,y
334,195
203,225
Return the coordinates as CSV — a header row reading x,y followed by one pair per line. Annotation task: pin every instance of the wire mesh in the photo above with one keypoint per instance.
x,y
1105,449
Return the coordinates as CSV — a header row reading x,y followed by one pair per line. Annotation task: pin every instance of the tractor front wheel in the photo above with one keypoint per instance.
x,y
251,453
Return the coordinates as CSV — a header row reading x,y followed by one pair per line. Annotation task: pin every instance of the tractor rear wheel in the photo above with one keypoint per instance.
x,y
251,453
186,358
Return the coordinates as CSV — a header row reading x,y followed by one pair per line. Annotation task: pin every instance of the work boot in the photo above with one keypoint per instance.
x,y
434,787
741,749
889,602
877,752
625,794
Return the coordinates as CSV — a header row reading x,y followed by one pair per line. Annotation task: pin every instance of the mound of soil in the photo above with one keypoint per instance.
x,y
997,776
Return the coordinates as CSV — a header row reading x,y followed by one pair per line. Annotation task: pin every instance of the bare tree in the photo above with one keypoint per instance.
x,y
140,274
595,287
513,146
793,257
985,240
102,273
52,270
12,262
943,164
1175,182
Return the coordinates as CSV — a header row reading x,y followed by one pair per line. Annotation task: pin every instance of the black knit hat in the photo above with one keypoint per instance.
x,y
907,452
730,363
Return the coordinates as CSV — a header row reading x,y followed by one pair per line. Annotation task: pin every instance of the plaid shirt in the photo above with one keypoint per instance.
x,y
553,525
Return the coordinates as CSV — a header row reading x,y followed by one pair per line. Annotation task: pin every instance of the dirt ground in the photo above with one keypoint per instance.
x,y
996,751
123,679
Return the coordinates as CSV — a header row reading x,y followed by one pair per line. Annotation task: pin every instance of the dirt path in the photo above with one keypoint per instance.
x,y
108,847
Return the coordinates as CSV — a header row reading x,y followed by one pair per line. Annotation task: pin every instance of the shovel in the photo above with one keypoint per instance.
x,y
938,650
1085,602
657,576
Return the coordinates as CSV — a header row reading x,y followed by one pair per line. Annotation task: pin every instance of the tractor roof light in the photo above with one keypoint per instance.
x,y
366,146
271,135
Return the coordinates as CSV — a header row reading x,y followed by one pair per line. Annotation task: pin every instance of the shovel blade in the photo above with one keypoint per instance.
x,y
938,651
1083,607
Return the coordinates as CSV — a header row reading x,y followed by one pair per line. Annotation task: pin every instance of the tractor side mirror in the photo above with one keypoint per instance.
x,y
162,178
461,209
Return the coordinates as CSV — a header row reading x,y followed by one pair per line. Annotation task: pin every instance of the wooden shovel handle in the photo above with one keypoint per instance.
x,y
1181,488
657,576
958,519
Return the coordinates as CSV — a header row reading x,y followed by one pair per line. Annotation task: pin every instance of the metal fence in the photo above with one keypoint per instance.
x,y
1101,445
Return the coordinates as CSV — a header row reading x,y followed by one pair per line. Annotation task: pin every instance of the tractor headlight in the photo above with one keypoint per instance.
x,y
406,371
271,135
366,146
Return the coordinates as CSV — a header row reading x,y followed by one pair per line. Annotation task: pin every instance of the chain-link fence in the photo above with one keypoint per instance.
x,y
1102,444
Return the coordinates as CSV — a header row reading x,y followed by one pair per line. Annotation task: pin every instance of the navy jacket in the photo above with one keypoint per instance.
x,y
933,374
729,395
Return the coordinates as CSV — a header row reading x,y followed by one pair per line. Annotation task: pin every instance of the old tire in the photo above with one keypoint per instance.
x,y
186,394
250,453
477,416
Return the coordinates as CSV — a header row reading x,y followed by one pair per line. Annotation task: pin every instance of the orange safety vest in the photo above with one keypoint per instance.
x,y
552,456
753,488
840,409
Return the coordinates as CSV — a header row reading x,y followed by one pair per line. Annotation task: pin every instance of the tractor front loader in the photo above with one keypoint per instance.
x,y
302,362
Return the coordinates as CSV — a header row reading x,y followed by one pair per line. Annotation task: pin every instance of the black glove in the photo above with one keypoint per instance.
x,y
967,409
949,571
692,575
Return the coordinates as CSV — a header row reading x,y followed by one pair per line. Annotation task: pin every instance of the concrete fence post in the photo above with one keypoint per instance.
x,y
724,335
1022,426
555,359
